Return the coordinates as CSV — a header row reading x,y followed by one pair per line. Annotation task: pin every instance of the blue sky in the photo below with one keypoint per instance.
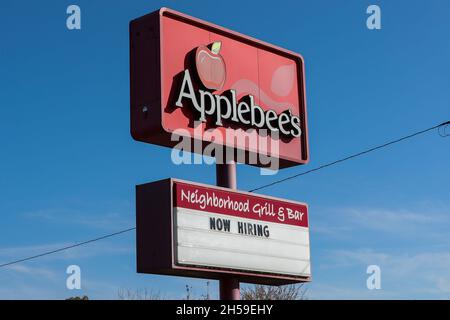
x,y
68,164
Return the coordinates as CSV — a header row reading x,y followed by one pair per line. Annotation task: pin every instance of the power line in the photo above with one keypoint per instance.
x,y
351,156
444,133
252,190
66,248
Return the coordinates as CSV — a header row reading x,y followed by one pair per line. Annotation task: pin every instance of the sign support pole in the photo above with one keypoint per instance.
x,y
226,177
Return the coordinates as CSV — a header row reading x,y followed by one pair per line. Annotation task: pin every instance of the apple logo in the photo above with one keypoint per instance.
x,y
210,66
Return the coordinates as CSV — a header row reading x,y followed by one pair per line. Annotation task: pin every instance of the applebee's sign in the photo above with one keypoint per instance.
x,y
211,71
189,77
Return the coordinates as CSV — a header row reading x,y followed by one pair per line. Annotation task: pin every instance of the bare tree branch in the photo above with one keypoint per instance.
x,y
288,292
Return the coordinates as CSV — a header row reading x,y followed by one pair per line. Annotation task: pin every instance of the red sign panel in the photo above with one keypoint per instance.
x,y
240,205
189,76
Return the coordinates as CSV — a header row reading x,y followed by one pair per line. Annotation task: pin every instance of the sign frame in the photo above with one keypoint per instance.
x,y
156,236
148,82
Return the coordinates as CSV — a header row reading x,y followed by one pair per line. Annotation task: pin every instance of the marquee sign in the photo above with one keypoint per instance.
x,y
188,77
191,229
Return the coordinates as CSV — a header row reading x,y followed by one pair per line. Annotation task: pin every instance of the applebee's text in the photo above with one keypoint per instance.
x,y
245,112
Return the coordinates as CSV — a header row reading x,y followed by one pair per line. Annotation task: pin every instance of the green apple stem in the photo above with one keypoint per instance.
x,y
215,48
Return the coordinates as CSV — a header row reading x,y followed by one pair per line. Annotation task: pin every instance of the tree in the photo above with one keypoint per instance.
x,y
288,292
127,294
78,298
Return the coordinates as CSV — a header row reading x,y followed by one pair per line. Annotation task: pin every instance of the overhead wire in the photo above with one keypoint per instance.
x,y
358,154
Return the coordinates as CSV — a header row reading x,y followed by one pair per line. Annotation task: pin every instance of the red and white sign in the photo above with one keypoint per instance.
x,y
214,230
189,76
223,229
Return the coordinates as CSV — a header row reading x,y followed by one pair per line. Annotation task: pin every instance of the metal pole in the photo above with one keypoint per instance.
x,y
226,177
